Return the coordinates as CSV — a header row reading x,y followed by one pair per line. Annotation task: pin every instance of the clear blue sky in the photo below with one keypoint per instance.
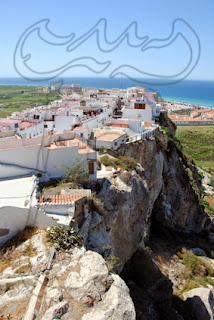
x,y
154,19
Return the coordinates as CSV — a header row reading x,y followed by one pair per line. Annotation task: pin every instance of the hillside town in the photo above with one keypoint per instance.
x,y
39,143
187,114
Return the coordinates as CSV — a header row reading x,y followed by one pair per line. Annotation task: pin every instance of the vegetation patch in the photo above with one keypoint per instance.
x,y
76,175
64,239
209,209
199,271
111,260
8,254
19,98
198,142
125,163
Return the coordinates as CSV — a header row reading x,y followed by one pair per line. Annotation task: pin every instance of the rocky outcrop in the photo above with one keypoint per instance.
x,y
177,205
163,186
75,286
200,301
151,291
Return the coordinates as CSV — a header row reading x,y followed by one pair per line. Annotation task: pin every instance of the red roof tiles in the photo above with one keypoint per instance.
x,y
60,199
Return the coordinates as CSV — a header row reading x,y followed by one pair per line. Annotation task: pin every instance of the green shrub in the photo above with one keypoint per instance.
x,y
189,285
207,266
7,288
191,261
76,174
111,260
64,239
125,163
212,182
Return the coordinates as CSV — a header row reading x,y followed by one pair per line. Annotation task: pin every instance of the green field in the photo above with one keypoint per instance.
x,y
198,142
18,98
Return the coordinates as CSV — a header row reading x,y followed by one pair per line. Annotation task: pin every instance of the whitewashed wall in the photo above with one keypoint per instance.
x,y
145,115
111,145
13,220
64,123
40,158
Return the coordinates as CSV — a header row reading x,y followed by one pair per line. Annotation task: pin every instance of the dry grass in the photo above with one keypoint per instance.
x,y
26,268
207,265
21,237
210,200
14,310
29,251
8,254
7,258
76,268
78,309
189,285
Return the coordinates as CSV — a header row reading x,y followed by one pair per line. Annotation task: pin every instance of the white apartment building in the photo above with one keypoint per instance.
x,y
48,155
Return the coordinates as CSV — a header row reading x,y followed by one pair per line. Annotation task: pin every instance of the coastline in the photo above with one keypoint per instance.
x,y
184,103
203,101
189,102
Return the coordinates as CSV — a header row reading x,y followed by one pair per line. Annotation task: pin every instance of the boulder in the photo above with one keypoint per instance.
x,y
57,311
201,303
198,252
115,305
54,295
91,278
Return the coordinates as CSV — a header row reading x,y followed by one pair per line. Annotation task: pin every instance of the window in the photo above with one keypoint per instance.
x,y
115,144
45,126
140,106
81,135
16,125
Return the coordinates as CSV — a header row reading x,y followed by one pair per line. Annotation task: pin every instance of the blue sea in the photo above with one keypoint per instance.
x,y
195,92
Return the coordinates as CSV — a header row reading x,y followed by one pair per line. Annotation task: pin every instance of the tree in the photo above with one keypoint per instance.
x,y
78,173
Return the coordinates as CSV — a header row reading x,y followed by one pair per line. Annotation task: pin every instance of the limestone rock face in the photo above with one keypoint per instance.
x,y
176,205
162,186
122,216
99,294
115,305
77,286
150,289
57,311
201,303
91,279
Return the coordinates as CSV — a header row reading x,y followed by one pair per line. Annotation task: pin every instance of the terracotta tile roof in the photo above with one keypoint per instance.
x,y
121,125
147,124
60,199
82,128
27,124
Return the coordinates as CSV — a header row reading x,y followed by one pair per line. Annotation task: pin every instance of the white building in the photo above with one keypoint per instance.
x,y
48,155
140,109
9,124
109,139
31,129
82,132
17,211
